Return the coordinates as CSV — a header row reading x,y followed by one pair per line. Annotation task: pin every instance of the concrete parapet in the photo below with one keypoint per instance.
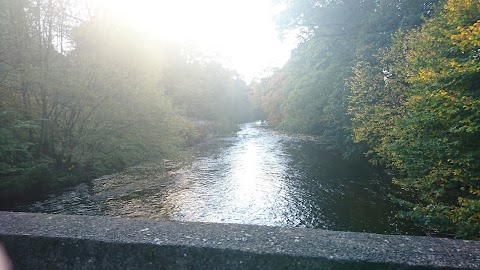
x,y
43,241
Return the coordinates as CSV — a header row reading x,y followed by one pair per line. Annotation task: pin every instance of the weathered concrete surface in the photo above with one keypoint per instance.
x,y
42,241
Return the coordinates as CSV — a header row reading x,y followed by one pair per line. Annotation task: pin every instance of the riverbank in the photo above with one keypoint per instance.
x,y
47,182
258,176
113,194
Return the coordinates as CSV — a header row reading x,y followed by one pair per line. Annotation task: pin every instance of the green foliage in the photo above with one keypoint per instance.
x,y
205,91
424,121
311,94
83,96
20,172
399,77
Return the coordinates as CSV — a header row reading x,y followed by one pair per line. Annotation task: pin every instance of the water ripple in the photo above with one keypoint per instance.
x,y
257,177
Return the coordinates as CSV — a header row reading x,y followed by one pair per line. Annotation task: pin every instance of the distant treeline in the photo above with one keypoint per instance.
x,y
83,94
395,79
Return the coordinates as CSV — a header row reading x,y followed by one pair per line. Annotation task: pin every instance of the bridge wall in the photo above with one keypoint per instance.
x,y
43,241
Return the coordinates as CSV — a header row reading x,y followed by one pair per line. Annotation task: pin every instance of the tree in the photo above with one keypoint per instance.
x,y
336,35
86,95
31,33
423,122
207,92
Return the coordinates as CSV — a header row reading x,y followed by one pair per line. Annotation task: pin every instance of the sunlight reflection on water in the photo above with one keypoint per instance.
x,y
247,184
257,177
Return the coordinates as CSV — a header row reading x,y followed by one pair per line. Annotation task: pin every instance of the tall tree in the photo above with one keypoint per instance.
x,y
84,94
423,120
336,35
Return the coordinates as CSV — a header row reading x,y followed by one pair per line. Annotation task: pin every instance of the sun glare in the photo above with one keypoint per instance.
x,y
241,33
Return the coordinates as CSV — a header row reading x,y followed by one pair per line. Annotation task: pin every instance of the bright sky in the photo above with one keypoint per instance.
x,y
241,32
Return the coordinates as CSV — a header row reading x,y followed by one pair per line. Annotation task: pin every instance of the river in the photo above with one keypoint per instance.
x,y
259,176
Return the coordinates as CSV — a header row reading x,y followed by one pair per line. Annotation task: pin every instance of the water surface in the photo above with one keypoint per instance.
x,y
259,176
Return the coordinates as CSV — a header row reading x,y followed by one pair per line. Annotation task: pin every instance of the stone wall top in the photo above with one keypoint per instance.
x,y
39,241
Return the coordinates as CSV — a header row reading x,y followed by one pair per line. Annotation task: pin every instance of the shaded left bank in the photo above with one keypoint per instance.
x,y
84,95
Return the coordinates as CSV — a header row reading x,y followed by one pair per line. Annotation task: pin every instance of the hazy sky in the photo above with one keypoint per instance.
x,y
240,31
